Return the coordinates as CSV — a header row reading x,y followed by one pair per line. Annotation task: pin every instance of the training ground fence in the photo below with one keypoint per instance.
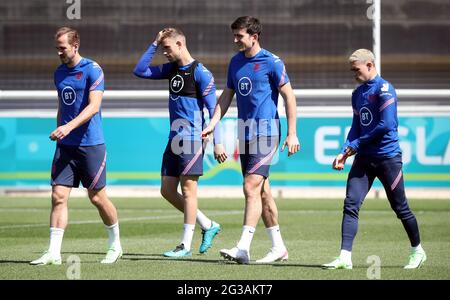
x,y
313,37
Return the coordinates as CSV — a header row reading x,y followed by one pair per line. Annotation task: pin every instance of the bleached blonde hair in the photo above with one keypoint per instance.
x,y
362,55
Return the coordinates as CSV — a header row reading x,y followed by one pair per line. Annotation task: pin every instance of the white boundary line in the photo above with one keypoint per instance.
x,y
231,212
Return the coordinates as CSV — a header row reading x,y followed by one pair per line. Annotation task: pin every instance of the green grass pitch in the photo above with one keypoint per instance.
x,y
310,227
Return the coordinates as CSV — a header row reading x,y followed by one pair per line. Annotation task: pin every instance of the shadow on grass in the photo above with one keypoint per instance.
x,y
147,256
26,262
159,257
197,258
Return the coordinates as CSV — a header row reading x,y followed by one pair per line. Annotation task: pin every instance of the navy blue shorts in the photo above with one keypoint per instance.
x,y
72,164
256,155
183,158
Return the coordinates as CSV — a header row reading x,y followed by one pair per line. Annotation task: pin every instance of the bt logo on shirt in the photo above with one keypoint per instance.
x,y
365,116
176,84
68,95
244,86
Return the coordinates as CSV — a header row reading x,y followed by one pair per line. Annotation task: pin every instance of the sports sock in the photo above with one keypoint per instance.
x,y
418,248
113,236
246,237
275,236
56,237
188,233
346,256
202,220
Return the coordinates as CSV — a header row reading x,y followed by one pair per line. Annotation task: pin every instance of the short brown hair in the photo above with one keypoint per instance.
x,y
173,32
73,36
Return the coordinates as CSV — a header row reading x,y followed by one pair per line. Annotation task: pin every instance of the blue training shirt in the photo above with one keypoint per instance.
x,y
256,81
184,110
73,86
374,128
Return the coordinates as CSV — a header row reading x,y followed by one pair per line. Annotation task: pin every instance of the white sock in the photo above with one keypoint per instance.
x,y
202,220
56,237
113,236
346,256
188,233
418,248
246,237
275,236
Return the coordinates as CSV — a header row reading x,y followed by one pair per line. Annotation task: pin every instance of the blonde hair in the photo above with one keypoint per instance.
x,y
362,55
